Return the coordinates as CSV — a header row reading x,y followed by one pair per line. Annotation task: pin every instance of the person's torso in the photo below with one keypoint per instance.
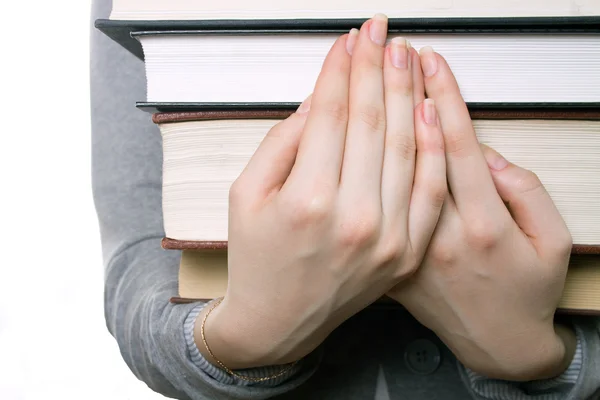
x,y
383,353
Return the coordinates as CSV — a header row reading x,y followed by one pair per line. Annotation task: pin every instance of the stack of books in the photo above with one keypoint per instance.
x,y
221,74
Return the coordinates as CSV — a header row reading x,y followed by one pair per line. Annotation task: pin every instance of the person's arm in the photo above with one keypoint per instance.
x,y
580,381
140,276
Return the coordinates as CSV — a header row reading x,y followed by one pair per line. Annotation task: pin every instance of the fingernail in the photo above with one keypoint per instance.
x,y
351,40
494,159
399,53
305,106
378,29
428,61
429,112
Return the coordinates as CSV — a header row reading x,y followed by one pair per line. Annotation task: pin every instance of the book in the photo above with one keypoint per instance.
x,y
123,31
204,152
282,67
203,276
271,51
334,9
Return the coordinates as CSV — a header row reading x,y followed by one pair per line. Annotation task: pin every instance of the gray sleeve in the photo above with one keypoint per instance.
x,y
140,277
581,381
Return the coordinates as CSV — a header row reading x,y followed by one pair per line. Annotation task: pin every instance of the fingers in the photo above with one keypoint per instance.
x,y
530,204
400,147
430,187
272,162
363,157
321,147
468,176
417,73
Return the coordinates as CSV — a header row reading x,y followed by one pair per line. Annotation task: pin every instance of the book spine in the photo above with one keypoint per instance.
x,y
270,111
173,244
387,303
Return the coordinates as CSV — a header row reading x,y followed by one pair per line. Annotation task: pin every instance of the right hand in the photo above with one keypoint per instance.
x,y
334,208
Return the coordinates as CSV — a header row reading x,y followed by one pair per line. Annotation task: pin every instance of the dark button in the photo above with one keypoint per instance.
x,y
422,357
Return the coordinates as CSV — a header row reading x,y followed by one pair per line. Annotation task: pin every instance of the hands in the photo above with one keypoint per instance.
x,y
335,208
339,204
494,273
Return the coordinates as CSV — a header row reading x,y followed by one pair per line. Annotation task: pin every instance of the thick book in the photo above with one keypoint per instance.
x,y
204,152
203,276
269,67
270,52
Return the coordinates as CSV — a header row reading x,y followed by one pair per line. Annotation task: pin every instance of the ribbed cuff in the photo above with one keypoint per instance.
x,y
221,375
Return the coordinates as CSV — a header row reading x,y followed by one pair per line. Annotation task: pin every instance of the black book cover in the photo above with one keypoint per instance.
x,y
121,31
500,108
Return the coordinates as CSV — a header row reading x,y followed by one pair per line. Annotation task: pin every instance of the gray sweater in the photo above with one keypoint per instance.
x,y
381,353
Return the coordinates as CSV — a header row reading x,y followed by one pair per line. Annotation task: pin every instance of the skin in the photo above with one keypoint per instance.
x,y
495,269
357,181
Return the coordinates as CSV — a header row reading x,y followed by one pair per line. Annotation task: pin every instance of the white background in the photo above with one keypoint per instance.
x,y
53,339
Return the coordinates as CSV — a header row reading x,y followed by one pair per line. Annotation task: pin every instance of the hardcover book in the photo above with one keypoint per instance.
x,y
528,53
204,152
203,276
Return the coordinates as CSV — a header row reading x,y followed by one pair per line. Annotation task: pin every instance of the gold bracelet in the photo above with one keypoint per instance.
x,y
228,370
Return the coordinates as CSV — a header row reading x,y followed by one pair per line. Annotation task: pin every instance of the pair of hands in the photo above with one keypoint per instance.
x,y
372,189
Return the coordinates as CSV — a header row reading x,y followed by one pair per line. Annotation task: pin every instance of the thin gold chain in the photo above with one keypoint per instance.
x,y
228,370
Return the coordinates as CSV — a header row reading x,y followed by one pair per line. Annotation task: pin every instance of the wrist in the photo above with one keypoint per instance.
x,y
236,339
567,339
554,358
546,356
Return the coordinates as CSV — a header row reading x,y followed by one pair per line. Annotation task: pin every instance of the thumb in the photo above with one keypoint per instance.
x,y
529,203
271,163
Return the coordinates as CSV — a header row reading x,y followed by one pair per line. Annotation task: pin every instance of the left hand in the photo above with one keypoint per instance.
x,y
495,268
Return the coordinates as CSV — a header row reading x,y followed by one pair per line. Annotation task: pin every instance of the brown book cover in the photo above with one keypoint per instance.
x,y
173,244
499,113
203,275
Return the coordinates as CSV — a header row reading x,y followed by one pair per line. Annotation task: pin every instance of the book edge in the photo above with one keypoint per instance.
x,y
175,244
389,303
508,113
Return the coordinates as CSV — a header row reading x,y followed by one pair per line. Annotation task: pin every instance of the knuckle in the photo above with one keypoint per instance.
x,y
390,249
529,183
564,244
277,129
457,145
359,230
306,210
483,233
336,111
438,193
403,145
409,267
237,191
442,253
372,116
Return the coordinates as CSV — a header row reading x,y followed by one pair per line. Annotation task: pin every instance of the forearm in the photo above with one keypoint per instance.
x,y
151,332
